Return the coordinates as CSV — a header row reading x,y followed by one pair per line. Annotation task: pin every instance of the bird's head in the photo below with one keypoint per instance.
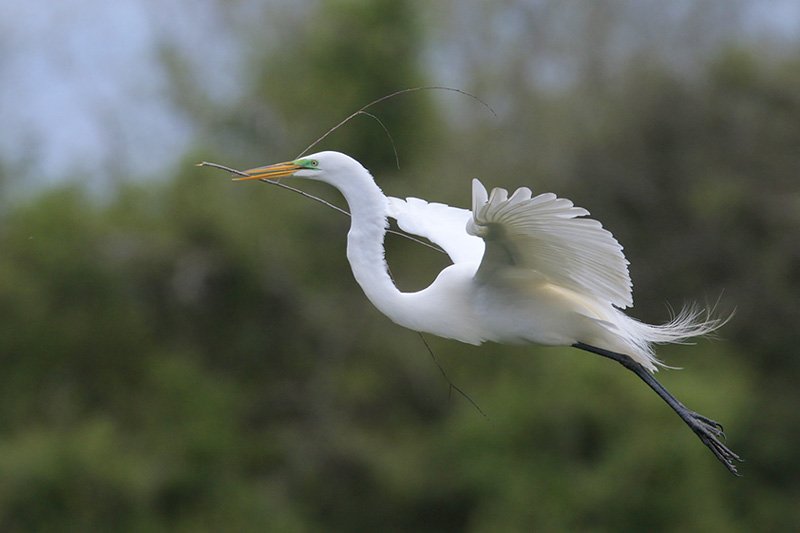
x,y
327,167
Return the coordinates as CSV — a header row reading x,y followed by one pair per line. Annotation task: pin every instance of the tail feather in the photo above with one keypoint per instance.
x,y
692,321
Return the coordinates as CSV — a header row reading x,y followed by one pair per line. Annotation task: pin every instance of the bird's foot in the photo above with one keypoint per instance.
x,y
710,432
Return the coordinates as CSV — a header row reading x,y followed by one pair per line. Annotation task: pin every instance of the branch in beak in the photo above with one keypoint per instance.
x,y
270,172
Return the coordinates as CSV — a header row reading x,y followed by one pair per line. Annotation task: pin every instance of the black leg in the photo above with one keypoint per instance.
x,y
706,429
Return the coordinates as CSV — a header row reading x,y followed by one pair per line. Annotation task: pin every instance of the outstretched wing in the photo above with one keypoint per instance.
x,y
440,224
546,235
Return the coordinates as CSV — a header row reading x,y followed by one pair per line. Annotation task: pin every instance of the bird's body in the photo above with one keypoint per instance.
x,y
493,291
526,269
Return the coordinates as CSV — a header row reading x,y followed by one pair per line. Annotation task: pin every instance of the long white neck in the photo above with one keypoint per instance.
x,y
368,209
443,308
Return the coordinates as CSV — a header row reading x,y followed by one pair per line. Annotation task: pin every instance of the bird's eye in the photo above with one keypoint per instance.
x,y
313,163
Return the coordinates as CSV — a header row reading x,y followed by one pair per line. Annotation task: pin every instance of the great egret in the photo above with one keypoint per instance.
x,y
526,269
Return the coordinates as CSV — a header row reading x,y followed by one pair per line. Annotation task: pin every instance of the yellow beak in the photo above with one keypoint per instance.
x,y
270,172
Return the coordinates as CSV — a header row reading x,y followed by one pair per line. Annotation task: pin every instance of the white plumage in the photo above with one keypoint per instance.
x,y
525,269
540,273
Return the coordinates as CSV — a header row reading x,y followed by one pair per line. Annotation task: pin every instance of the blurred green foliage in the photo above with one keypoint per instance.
x,y
194,355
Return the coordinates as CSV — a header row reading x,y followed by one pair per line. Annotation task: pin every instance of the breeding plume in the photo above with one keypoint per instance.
x,y
526,269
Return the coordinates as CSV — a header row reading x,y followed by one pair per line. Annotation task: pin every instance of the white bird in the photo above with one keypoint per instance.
x,y
526,269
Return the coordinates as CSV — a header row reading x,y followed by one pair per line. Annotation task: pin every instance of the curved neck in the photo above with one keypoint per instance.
x,y
368,210
443,308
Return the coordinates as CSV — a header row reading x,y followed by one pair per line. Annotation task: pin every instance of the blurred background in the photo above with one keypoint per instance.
x,y
179,352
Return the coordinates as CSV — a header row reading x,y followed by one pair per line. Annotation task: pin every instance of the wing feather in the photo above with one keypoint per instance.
x,y
546,235
440,224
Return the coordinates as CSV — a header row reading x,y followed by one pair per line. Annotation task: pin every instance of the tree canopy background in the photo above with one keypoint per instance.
x,y
181,352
